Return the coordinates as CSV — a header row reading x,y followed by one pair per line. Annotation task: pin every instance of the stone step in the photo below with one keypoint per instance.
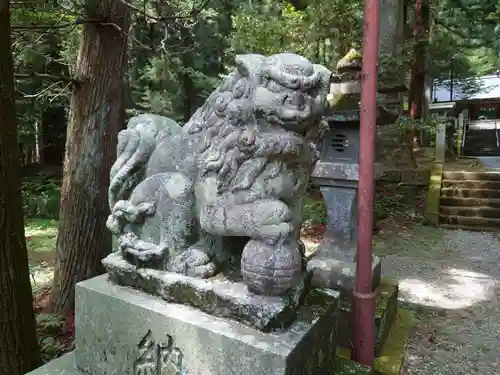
x,y
465,221
481,140
483,147
470,202
483,133
468,227
482,152
483,212
479,153
385,313
472,176
470,193
471,184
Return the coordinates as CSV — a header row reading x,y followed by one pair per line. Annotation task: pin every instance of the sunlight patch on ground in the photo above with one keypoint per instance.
x,y
41,276
41,236
453,289
37,231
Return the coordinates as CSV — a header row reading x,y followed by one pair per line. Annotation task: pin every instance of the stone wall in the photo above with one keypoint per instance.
x,y
391,147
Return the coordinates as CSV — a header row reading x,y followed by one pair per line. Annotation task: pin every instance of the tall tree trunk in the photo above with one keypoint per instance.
x,y
19,351
417,81
421,38
96,115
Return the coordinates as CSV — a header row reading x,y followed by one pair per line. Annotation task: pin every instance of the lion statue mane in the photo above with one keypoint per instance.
x,y
226,187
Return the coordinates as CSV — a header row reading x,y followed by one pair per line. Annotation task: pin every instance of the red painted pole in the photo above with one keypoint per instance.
x,y
363,296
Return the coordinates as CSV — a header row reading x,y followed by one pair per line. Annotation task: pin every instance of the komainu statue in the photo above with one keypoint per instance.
x,y
226,188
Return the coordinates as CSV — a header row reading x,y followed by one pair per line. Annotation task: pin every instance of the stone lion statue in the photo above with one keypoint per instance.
x,y
227,187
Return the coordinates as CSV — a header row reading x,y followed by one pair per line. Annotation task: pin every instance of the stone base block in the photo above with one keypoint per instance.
x,y
339,275
121,331
385,314
334,265
224,295
64,365
391,357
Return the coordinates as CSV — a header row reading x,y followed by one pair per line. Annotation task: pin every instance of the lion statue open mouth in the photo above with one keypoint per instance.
x,y
227,186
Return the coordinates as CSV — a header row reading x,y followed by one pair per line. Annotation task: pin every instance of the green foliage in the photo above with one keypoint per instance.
x,y
48,323
48,328
466,37
415,126
39,53
323,31
314,212
396,202
175,63
269,32
50,347
41,197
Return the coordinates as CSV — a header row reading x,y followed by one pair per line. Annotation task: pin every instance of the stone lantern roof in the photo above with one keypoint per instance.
x,y
345,90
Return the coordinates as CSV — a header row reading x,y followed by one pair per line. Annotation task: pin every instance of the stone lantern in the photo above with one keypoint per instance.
x,y
337,173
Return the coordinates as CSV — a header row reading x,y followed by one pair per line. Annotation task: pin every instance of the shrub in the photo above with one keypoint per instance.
x,y
41,197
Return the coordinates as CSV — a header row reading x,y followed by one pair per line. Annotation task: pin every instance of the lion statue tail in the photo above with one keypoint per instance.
x,y
136,144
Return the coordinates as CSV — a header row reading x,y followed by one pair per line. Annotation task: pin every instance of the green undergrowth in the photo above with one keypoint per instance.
x,y
402,201
49,329
314,211
41,195
41,236
391,201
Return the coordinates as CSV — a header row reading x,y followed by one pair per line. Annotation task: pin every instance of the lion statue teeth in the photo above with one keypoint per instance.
x,y
227,187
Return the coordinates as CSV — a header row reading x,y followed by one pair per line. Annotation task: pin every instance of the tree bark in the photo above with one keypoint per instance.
x,y
96,115
19,351
421,38
417,80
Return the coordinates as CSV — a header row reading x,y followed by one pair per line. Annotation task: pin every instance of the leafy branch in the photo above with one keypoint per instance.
x,y
47,76
193,13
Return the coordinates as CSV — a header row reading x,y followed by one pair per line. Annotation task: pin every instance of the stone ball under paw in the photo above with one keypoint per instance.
x,y
271,270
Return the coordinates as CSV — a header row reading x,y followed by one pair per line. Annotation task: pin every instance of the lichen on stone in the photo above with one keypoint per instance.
x,y
351,61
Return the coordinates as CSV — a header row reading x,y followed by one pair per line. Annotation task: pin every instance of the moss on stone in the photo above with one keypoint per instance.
x,y
386,300
392,354
345,102
345,366
434,195
386,290
352,59
391,358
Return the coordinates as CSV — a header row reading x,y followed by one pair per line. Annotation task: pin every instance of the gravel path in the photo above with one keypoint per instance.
x,y
450,278
491,162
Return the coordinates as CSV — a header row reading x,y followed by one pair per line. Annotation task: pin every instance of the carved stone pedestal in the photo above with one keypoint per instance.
x,y
121,331
225,295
